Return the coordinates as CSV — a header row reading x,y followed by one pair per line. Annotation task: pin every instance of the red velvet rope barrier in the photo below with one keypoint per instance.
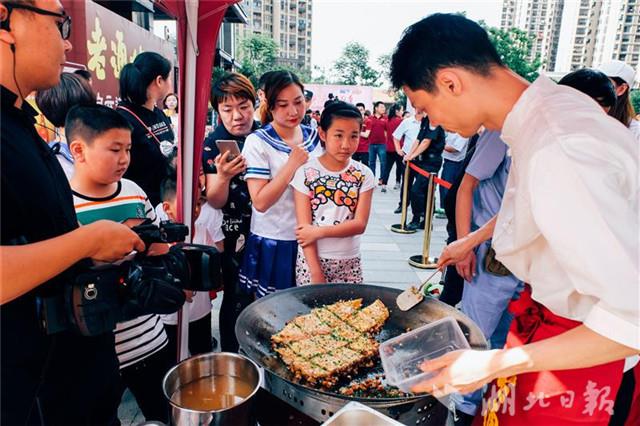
x,y
426,174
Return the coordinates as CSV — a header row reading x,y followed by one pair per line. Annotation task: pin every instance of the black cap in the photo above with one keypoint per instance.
x,y
308,95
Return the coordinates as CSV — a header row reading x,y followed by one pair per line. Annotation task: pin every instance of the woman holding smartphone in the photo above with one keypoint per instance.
x,y
233,97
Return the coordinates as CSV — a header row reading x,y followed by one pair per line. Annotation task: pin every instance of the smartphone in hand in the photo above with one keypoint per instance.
x,y
230,146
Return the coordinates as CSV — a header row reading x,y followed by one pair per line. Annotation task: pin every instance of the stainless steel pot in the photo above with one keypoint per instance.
x,y
207,365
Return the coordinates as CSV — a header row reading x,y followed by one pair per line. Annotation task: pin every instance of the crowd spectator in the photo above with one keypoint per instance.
x,y
392,156
86,74
273,154
376,133
100,139
207,231
143,83
594,84
453,154
55,103
407,134
170,104
427,155
233,98
622,75
362,153
329,225
308,119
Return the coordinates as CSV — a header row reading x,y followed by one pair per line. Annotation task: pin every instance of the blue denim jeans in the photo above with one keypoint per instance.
x,y
375,151
450,171
485,300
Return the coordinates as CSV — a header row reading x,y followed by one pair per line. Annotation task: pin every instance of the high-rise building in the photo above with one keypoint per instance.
x,y
619,32
540,19
571,34
287,22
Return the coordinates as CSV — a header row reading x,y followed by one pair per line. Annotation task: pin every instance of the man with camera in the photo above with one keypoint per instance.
x,y
47,378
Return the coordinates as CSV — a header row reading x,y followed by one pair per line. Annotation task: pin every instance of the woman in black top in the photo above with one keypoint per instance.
x,y
143,83
233,97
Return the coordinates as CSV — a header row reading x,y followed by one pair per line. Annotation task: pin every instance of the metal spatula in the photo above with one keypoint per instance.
x,y
412,296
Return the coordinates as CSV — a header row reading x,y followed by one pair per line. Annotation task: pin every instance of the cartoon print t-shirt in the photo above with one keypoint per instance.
x,y
334,198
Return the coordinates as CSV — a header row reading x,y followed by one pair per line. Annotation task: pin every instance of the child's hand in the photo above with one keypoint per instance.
x,y
298,156
307,234
158,249
318,278
228,169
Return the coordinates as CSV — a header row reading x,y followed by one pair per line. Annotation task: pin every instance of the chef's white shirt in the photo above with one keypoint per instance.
x,y
568,224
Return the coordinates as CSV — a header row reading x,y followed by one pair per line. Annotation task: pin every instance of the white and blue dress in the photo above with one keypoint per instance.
x,y
270,257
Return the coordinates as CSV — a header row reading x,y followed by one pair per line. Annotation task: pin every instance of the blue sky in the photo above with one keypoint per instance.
x,y
378,24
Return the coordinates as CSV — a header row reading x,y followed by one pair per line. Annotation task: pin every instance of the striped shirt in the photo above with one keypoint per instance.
x,y
141,337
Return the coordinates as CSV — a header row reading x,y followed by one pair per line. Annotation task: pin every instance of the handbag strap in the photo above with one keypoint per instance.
x,y
141,122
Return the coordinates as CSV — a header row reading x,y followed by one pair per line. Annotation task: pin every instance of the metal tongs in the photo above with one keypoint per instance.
x,y
412,296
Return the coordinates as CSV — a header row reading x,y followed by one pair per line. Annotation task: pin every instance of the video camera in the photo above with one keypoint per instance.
x,y
102,296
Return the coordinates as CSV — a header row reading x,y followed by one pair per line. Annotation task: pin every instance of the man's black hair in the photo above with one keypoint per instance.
x,y
339,109
84,74
438,41
376,104
56,101
169,188
90,121
360,104
592,83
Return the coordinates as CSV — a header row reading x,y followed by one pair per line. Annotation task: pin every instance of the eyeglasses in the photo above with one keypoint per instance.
x,y
64,27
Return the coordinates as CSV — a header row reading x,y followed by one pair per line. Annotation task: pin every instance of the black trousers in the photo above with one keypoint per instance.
x,y
199,337
144,380
362,157
393,158
234,298
453,283
81,383
419,195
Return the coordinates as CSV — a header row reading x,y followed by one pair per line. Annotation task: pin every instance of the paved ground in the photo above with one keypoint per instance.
x,y
384,256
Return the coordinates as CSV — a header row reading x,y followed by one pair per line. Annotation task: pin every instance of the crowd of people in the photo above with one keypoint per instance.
x,y
540,174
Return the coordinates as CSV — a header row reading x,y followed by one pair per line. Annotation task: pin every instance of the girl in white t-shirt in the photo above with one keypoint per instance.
x,y
273,154
333,201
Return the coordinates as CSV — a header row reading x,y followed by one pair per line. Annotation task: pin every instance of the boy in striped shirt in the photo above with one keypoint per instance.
x,y
100,142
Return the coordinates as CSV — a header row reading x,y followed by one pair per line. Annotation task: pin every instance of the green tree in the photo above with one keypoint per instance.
x,y
353,68
635,100
258,54
514,47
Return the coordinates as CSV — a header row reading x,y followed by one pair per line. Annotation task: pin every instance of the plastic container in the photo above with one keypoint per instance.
x,y
401,356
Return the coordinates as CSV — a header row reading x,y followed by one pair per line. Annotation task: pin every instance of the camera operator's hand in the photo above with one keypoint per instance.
x,y
112,241
227,169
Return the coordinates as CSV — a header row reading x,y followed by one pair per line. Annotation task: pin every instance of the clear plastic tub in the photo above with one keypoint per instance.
x,y
401,356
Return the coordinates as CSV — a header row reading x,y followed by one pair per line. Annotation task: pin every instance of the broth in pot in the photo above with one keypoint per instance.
x,y
212,393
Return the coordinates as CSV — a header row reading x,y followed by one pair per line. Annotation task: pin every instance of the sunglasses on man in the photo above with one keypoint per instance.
x,y
64,26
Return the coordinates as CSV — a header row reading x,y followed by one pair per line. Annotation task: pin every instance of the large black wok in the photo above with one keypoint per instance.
x,y
268,315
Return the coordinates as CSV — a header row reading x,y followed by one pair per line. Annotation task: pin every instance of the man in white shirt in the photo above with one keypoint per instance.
x,y
404,140
455,149
568,226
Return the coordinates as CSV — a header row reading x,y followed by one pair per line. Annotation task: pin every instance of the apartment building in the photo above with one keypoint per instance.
x,y
287,22
571,34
